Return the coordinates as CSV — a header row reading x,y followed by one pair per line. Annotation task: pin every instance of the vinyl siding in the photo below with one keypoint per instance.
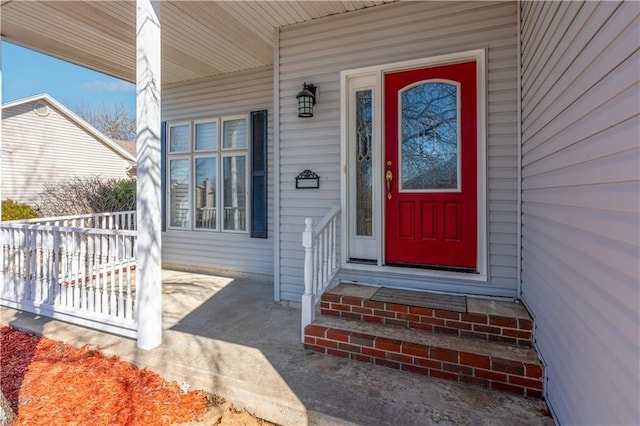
x,y
581,204
230,94
317,52
37,150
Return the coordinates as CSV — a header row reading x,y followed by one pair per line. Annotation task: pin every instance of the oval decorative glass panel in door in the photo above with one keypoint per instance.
x,y
429,148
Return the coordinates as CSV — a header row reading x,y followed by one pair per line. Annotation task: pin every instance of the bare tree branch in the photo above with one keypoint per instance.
x,y
87,195
115,121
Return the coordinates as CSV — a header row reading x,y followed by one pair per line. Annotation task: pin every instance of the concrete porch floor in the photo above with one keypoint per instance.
x,y
227,336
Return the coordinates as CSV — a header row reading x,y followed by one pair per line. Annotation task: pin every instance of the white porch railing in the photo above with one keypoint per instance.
x,y
320,261
109,220
79,274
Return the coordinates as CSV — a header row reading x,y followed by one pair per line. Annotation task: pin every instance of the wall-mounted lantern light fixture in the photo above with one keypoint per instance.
x,y
306,100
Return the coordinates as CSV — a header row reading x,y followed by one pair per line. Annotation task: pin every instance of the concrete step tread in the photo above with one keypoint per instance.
x,y
460,344
475,305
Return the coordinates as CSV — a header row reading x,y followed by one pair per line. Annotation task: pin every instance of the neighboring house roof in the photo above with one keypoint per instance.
x,y
129,146
132,149
77,119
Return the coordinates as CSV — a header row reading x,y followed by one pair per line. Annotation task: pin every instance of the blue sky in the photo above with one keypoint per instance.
x,y
26,73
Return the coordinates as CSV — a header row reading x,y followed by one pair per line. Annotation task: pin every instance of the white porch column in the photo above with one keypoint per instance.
x,y
0,109
148,272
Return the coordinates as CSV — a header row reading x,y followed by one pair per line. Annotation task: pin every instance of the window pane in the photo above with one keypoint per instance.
x,y
429,148
364,173
179,138
205,192
235,134
179,193
206,136
235,184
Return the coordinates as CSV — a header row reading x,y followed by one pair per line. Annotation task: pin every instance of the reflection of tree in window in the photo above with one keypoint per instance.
x,y
430,136
234,181
179,192
205,192
363,164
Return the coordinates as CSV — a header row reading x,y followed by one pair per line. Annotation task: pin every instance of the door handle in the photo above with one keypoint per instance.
x,y
389,178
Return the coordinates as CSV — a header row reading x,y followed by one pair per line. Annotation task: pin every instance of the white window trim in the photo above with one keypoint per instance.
x,y
205,121
362,245
232,152
221,131
179,124
219,153
479,56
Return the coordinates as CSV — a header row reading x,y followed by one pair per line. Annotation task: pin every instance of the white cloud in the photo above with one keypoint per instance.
x,y
108,86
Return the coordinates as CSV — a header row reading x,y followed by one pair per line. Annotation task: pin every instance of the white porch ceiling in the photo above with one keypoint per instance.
x,y
199,38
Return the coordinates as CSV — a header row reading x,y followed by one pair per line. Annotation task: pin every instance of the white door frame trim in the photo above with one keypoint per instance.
x,y
478,55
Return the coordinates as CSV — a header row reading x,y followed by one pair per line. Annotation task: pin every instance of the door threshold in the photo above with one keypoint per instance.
x,y
362,261
415,272
434,268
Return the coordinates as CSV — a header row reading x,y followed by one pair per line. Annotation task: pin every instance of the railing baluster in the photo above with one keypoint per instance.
x,y
74,277
316,271
325,258
334,243
3,278
119,253
30,264
10,260
104,269
129,307
55,270
4,282
83,266
18,269
112,270
91,272
46,268
63,279
69,247
39,278
8,273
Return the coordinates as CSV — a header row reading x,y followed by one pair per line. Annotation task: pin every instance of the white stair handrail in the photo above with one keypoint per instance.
x,y
320,261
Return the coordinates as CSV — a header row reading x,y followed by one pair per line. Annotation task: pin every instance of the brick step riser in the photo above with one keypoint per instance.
x,y
513,331
488,372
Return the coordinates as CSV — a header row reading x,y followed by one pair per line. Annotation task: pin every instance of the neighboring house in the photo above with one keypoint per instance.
x,y
131,148
543,204
44,142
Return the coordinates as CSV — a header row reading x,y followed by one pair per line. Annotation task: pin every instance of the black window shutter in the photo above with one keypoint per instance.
x,y
259,174
163,176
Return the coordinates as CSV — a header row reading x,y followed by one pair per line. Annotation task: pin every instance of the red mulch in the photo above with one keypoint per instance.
x,y
51,383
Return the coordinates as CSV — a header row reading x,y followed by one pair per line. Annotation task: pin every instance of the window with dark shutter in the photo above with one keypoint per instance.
x,y
259,174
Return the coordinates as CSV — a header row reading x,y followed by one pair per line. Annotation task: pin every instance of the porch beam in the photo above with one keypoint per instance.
x,y
148,272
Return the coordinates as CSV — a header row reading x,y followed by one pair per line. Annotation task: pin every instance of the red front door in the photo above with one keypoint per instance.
x,y
430,166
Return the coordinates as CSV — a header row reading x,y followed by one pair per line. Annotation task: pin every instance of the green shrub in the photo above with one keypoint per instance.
x,y
12,210
124,193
